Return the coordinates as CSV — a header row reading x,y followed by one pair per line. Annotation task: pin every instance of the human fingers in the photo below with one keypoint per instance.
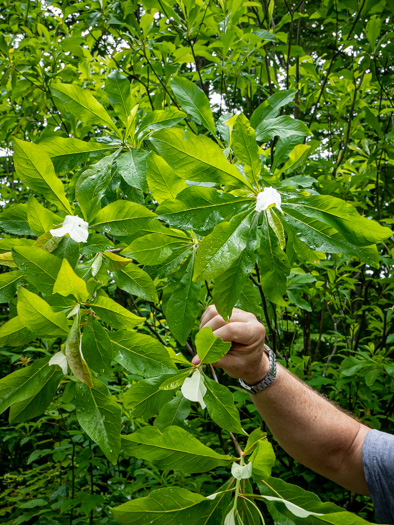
x,y
196,360
242,333
217,321
240,315
236,315
209,313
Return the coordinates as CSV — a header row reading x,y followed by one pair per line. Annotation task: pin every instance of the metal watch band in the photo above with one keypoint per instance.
x,y
267,379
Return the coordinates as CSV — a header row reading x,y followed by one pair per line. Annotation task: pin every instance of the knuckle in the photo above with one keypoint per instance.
x,y
261,329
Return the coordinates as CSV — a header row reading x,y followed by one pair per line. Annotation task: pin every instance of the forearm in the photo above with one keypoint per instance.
x,y
313,431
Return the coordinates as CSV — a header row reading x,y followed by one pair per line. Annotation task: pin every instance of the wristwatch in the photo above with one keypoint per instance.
x,y
267,379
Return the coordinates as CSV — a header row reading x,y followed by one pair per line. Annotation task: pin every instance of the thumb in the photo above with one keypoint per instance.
x,y
196,360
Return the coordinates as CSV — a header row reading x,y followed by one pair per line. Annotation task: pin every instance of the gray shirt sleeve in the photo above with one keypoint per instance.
x,y
378,461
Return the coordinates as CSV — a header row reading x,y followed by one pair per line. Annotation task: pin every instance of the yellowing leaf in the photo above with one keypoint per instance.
x,y
74,355
69,283
35,168
116,262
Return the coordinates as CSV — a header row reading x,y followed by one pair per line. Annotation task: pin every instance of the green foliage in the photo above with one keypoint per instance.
x,y
162,124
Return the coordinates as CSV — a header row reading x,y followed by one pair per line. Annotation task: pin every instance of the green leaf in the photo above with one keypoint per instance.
x,y
274,268
155,248
182,306
8,243
39,218
74,354
141,354
198,208
15,333
196,158
284,147
194,101
6,259
303,181
69,283
263,459
122,218
373,122
177,380
136,282
119,95
210,348
68,153
8,284
221,408
100,417
296,298
269,109
92,185
14,220
171,505
39,267
173,413
67,249
173,449
115,262
38,316
72,99
132,166
266,35
145,399
36,404
162,180
97,347
276,225
297,157
220,249
291,501
160,119
282,127
342,216
113,313
178,256
253,438
321,237
23,383
245,147
249,299
372,29
228,287
34,167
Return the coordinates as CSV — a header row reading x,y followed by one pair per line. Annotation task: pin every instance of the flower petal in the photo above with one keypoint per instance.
x,y
194,388
59,359
267,198
241,471
59,232
76,227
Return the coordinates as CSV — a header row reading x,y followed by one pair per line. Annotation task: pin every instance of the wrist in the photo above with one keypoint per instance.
x,y
258,372
266,381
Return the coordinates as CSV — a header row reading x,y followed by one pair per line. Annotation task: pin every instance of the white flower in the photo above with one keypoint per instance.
x,y
241,471
231,517
59,359
267,198
76,227
194,388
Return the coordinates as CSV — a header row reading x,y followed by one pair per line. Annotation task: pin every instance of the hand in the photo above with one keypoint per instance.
x,y
246,358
